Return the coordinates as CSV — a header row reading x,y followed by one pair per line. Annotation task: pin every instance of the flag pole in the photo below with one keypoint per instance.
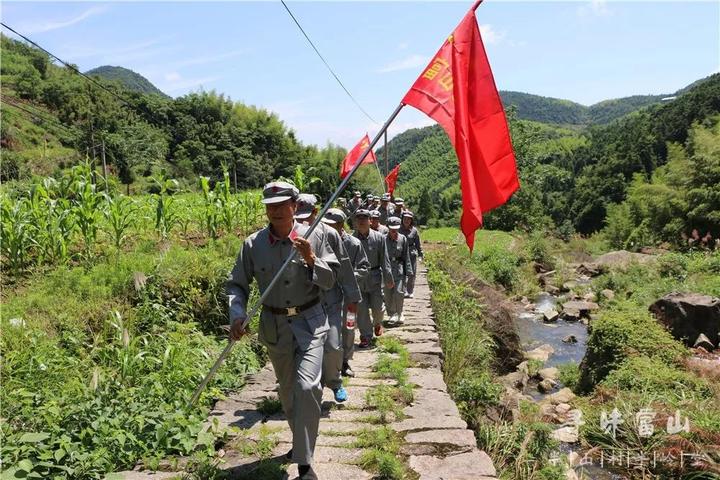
x,y
276,278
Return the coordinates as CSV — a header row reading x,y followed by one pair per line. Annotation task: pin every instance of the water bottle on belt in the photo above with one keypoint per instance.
x,y
350,320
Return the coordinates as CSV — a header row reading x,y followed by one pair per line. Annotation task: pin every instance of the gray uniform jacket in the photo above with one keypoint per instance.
x,y
374,246
382,229
399,253
346,287
413,237
358,258
263,254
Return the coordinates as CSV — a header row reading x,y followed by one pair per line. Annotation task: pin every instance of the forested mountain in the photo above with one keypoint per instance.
x,y
570,178
53,117
565,112
127,78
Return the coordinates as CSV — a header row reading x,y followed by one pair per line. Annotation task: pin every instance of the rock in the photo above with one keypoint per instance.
x,y
563,396
550,315
704,343
552,289
546,386
589,269
456,437
687,315
562,408
567,286
551,373
590,297
570,315
541,353
524,300
570,474
565,434
516,380
622,259
523,367
465,466
570,339
574,459
607,294
584,307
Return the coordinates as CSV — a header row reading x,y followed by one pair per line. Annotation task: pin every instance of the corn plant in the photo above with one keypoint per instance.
x,y
58,232
210,215
16,241
88,204
250,211
119,215
165,213
225,203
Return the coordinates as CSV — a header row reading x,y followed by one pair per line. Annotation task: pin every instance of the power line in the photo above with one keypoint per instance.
x,y
37,115
326,63
71,67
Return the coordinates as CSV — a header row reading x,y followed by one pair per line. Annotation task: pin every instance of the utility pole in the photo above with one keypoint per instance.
x,y
105,172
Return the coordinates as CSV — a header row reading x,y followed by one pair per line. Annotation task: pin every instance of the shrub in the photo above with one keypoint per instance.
x,y
673,265
497,265
569,374
652,376
621,334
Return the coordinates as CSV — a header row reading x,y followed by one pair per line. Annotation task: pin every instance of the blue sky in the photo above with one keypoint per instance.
x,y
252,51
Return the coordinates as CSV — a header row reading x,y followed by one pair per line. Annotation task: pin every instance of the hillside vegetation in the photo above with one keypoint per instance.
x,y
127,78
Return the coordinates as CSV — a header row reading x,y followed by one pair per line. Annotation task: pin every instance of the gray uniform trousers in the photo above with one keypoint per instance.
x,y
415,247
401,268
294,342
345,290
297,358
371,286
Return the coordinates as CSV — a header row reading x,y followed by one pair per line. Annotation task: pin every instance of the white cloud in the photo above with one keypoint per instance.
x,y
40,26
173,77
490,35
403,46
413,61
595,8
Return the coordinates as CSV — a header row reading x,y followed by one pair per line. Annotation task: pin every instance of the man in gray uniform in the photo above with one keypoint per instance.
x,y
411,233
374,245
361,266
386,208
293,323
398,251
375,222
345,290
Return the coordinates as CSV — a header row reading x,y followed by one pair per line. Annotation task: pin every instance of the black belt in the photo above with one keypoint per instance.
x,y
293,310
375,268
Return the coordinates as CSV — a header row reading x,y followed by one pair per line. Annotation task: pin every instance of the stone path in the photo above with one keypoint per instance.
x,y
436,442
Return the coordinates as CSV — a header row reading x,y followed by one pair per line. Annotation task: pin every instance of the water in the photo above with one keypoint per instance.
x,y
533,332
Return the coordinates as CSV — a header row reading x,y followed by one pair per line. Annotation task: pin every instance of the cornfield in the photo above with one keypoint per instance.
x,y
68,219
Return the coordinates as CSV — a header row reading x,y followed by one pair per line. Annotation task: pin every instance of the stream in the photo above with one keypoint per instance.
x,y
534,332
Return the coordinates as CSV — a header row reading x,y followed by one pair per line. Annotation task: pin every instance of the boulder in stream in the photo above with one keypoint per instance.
x,y
622,259
541,353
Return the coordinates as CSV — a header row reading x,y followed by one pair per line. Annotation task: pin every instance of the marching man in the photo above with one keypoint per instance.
x,y
293,323
398,251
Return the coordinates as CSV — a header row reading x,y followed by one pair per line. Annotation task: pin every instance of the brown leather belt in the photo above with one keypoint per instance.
x,y
291,311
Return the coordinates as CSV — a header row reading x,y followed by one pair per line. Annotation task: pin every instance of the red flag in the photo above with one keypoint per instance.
x,y
354,155
458,91
391,179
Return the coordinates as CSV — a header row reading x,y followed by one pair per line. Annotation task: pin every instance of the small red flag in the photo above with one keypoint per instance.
x,y
458,91
354,155
391,179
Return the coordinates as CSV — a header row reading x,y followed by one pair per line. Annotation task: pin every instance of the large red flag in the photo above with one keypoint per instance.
x,y
391,179
458,91
354,155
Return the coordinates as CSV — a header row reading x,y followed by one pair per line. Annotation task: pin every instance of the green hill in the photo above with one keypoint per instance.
x,y
568,176
127,78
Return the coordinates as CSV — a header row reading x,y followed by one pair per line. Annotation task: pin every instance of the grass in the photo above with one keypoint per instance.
x,y
381,453
269,406
392,363
97,371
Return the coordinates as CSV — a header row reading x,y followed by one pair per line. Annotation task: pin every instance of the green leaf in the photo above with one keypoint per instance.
x,y
25,465
34,437
59,454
